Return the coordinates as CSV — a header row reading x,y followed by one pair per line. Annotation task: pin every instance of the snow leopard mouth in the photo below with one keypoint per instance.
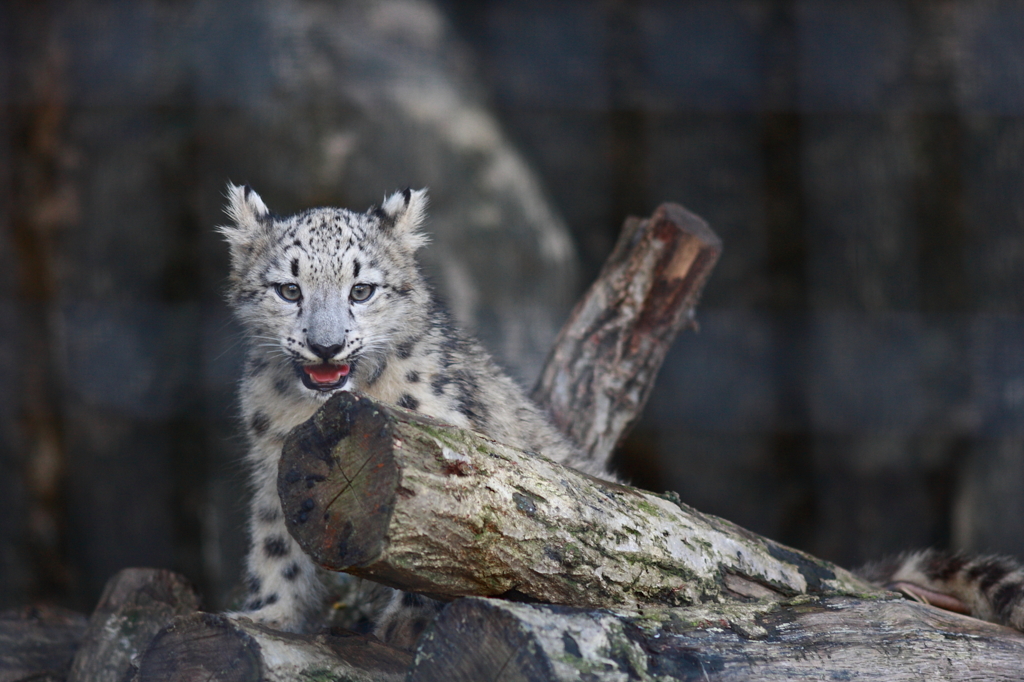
x,y
324,377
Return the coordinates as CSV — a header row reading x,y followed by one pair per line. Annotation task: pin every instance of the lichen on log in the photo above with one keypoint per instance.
x,y
806,638
389,495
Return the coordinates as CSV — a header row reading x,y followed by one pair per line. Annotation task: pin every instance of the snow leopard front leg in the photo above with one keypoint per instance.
x,y
283,584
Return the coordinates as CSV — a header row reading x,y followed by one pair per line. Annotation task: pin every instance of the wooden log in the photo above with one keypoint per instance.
x,y
604,362
205,646
38,643
386,494
135,604
810,638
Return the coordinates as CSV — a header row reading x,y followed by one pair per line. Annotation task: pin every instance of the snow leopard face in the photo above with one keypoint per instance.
x,y
329,291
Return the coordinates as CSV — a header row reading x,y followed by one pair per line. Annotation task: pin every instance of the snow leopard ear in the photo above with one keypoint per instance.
x,y
403,213
247,212
245,207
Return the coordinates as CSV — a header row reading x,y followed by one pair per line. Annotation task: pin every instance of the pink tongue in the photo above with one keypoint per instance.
x,y
326,374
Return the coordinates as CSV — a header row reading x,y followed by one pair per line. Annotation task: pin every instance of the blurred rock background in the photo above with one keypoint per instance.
x,y
857,384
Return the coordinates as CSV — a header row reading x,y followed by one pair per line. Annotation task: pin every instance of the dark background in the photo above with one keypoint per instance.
x,y
856,386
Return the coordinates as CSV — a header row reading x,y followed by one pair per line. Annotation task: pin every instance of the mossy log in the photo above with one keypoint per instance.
x,y
807,638
604,362
386,494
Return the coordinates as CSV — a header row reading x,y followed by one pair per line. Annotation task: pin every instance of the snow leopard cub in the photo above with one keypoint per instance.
x,y
333,300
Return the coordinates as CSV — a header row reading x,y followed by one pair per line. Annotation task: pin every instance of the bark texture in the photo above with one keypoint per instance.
x,y
38,643
604,363
808,638
386,494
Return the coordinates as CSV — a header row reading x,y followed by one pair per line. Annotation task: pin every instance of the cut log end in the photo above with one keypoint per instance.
x,y
339,507
472,641
203,646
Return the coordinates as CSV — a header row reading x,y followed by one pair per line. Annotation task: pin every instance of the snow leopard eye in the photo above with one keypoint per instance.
x,y
361,292
289,292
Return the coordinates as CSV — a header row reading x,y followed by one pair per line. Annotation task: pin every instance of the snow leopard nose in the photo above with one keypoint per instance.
x,y
325,352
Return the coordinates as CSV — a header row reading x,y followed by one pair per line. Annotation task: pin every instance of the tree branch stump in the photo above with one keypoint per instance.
x,y
604,362
386,494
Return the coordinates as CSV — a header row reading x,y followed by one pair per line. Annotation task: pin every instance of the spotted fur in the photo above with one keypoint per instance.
x,y
297,284
987,587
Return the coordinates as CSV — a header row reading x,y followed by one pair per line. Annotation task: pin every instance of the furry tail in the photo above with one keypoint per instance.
x,y
986,587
